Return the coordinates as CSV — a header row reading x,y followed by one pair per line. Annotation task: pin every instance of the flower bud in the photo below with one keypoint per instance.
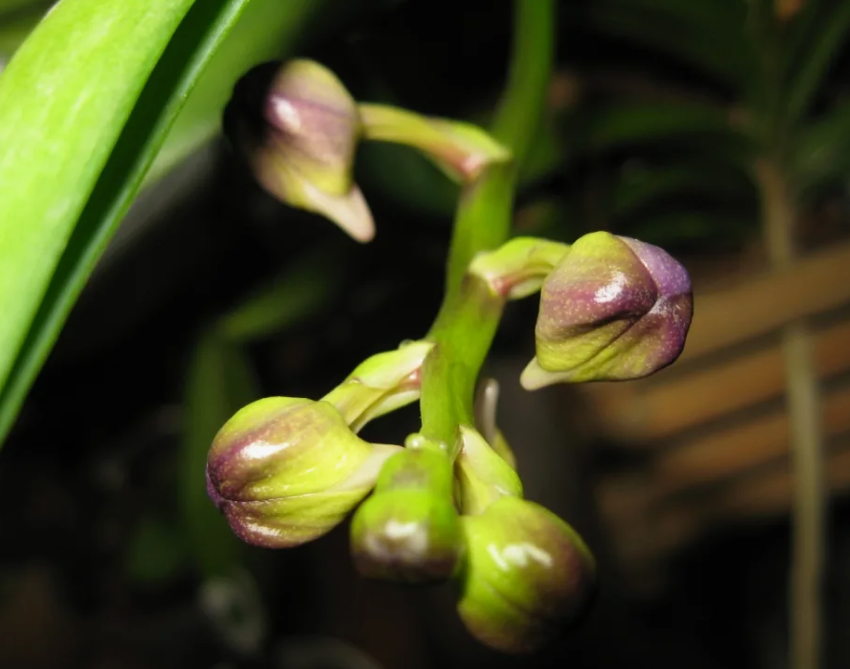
x,y
285,470
302,147
409,530
613,309
528,576
380,384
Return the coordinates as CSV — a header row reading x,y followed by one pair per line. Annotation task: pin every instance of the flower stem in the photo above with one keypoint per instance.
x,y
466,324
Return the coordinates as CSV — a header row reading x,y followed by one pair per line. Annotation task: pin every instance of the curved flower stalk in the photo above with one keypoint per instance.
x,y
301,144
381,384
528,576
518,267
286,470
408,530
461,150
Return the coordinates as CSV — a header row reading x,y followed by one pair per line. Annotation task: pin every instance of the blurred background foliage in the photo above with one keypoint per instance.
x,y
664,117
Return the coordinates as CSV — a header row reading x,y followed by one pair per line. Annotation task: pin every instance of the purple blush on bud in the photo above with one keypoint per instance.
x,y
613,309
286,470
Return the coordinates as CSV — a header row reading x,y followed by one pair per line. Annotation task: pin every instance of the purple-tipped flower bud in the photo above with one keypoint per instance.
x,y
409,530
286,470
613,309
302,149
528,576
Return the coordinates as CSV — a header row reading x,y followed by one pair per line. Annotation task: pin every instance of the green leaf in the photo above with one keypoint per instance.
x,y
220,381
291,298
10,8
826,36
707,34
800,33
820,157
556,219
640,187
157,551
91,60
406,178
632,124
77,146
14,30
689,227
546,153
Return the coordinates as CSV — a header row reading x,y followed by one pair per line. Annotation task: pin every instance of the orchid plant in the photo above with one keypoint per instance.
x,y
448,505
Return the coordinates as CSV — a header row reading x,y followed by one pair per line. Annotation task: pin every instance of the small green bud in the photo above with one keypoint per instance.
x,y
380,384
302,147
613,309
408,530
286,470
461,150
528,576
482,475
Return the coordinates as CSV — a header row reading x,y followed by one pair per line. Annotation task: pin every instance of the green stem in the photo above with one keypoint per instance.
x,y
524,99
462,333
466,324
807,443
459,149
483,219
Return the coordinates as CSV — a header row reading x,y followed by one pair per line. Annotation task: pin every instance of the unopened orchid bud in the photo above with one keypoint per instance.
x,y
613,309
528,577
482,475
409,530
380,384
286,470
461,150
302,147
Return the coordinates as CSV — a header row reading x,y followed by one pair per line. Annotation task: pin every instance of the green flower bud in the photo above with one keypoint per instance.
x,y
482,475
286,470
517,268
409,530
380,384
461,150
528,576
613,309
302,148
